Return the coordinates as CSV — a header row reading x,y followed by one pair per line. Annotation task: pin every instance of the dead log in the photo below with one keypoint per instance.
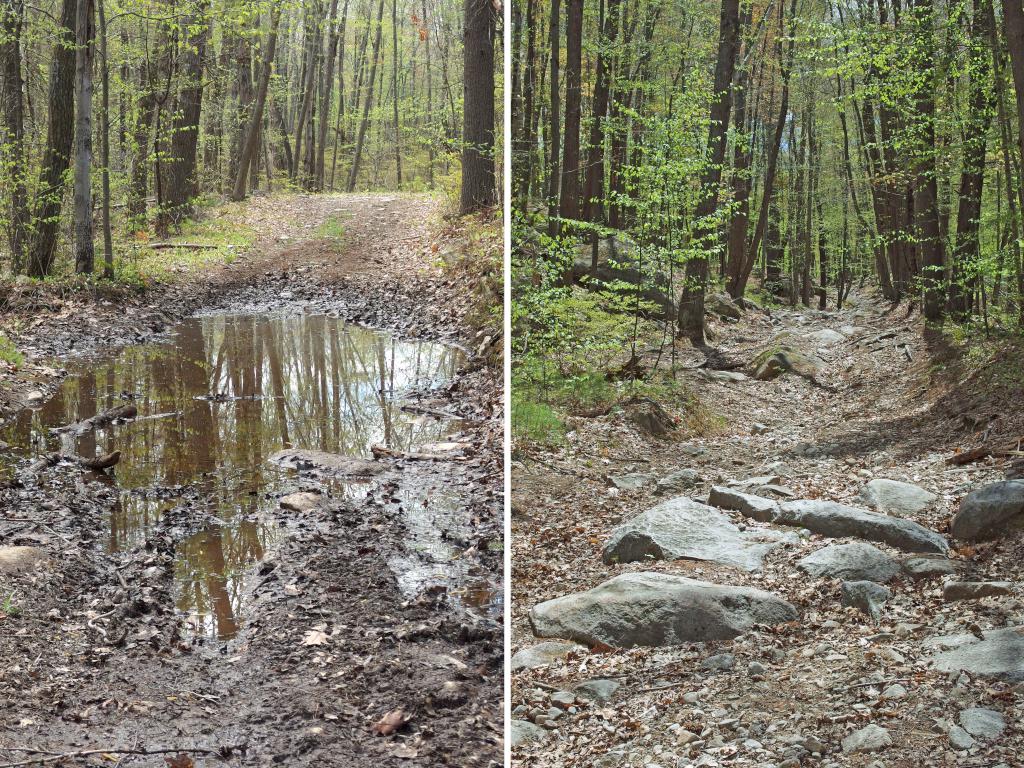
x,y
119,413
99,463
984,451
192,246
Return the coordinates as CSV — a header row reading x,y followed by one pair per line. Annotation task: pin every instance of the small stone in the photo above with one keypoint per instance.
x,y
927,566
866,596
983,723
757,668
524,732
598,691
870,738
632,482
452,694
722,662
563,699
303,501
685,737
677,482
959,738
542,654
896,497
894,692
974,590
759,429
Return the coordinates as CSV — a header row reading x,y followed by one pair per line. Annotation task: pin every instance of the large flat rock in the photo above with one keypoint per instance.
x,y
999,655
851,562
685,529
655,609
990,512
830,518
896,497
334,463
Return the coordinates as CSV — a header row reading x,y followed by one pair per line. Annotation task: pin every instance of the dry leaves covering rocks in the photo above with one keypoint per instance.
x,y
788,695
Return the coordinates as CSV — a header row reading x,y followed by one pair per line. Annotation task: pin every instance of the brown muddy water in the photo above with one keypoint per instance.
x,y
218,397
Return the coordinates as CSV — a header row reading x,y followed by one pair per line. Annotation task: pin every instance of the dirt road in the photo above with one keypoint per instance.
x,y
180,615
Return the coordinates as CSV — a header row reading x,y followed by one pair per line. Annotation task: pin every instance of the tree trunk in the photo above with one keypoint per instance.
x,y
59,137
691,305
569,206
478,106
554,117
12,146
328,91
84,43
108,241
252,132
182,182
1013,24
394,89
353,174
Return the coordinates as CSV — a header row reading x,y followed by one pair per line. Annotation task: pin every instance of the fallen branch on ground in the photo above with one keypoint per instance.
x,y
193,246
984,451
45,756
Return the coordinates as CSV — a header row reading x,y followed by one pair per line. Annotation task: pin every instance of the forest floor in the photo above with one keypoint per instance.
x,y
893,400
334,664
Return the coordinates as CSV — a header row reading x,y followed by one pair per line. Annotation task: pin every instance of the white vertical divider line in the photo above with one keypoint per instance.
x,y
507,322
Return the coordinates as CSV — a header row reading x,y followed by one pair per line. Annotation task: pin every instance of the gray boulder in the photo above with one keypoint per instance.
x,y
631,482
959,738
974,590
655,609
866,596
990,512
677,482
722,305
928,566
983,723
525,732
685,529
870,738
598,691
999,655
774,362
896,497
542,654
826,337
852,562
754,507
830,518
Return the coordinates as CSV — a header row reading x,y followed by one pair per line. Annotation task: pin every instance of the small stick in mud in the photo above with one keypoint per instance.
x,y
99,463
119,413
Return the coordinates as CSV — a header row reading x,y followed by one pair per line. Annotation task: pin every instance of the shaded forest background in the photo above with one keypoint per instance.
x,y
121,119
674,159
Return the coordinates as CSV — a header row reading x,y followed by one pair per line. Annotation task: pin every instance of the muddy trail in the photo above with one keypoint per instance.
x,y
750,589
294,557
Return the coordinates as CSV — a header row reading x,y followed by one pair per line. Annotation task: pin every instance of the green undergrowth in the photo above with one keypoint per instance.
x,y
333,231
9,353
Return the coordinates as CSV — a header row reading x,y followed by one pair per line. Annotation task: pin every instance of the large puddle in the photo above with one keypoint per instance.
x,y
215,400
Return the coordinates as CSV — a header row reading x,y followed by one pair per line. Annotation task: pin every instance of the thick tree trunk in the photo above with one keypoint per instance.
x,y
1013,25
554,121
394,93
59,137
478,106
108,240
252,132
569,206
328,90
691,305
12,140
182,181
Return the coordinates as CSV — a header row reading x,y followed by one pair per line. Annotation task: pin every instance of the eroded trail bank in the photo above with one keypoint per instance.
x,y
295,558
781,587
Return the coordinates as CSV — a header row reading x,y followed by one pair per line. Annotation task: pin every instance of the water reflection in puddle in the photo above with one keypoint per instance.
x,y
215,400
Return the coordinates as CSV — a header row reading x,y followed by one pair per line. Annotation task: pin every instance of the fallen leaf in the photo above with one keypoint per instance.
x,y
180,760
314,637
391,722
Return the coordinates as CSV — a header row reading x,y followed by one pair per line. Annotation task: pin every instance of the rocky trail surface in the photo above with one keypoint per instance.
x,y
250,583
803,581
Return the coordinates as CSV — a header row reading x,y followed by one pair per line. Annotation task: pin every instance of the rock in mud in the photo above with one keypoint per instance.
x,y
525,732
990,512
870,738
631,482
928,566
20,559
895,497
866,596
334,463
851,562
677,482
983,723
542,654
999,655
685,529
655,609
598,691
830,518
303,501
974,590
754,507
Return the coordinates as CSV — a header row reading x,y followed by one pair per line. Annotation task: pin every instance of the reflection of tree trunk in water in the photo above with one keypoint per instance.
x,y
276,380
250,546
87,409
319,342
335,387
382,364
200,428
213,568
